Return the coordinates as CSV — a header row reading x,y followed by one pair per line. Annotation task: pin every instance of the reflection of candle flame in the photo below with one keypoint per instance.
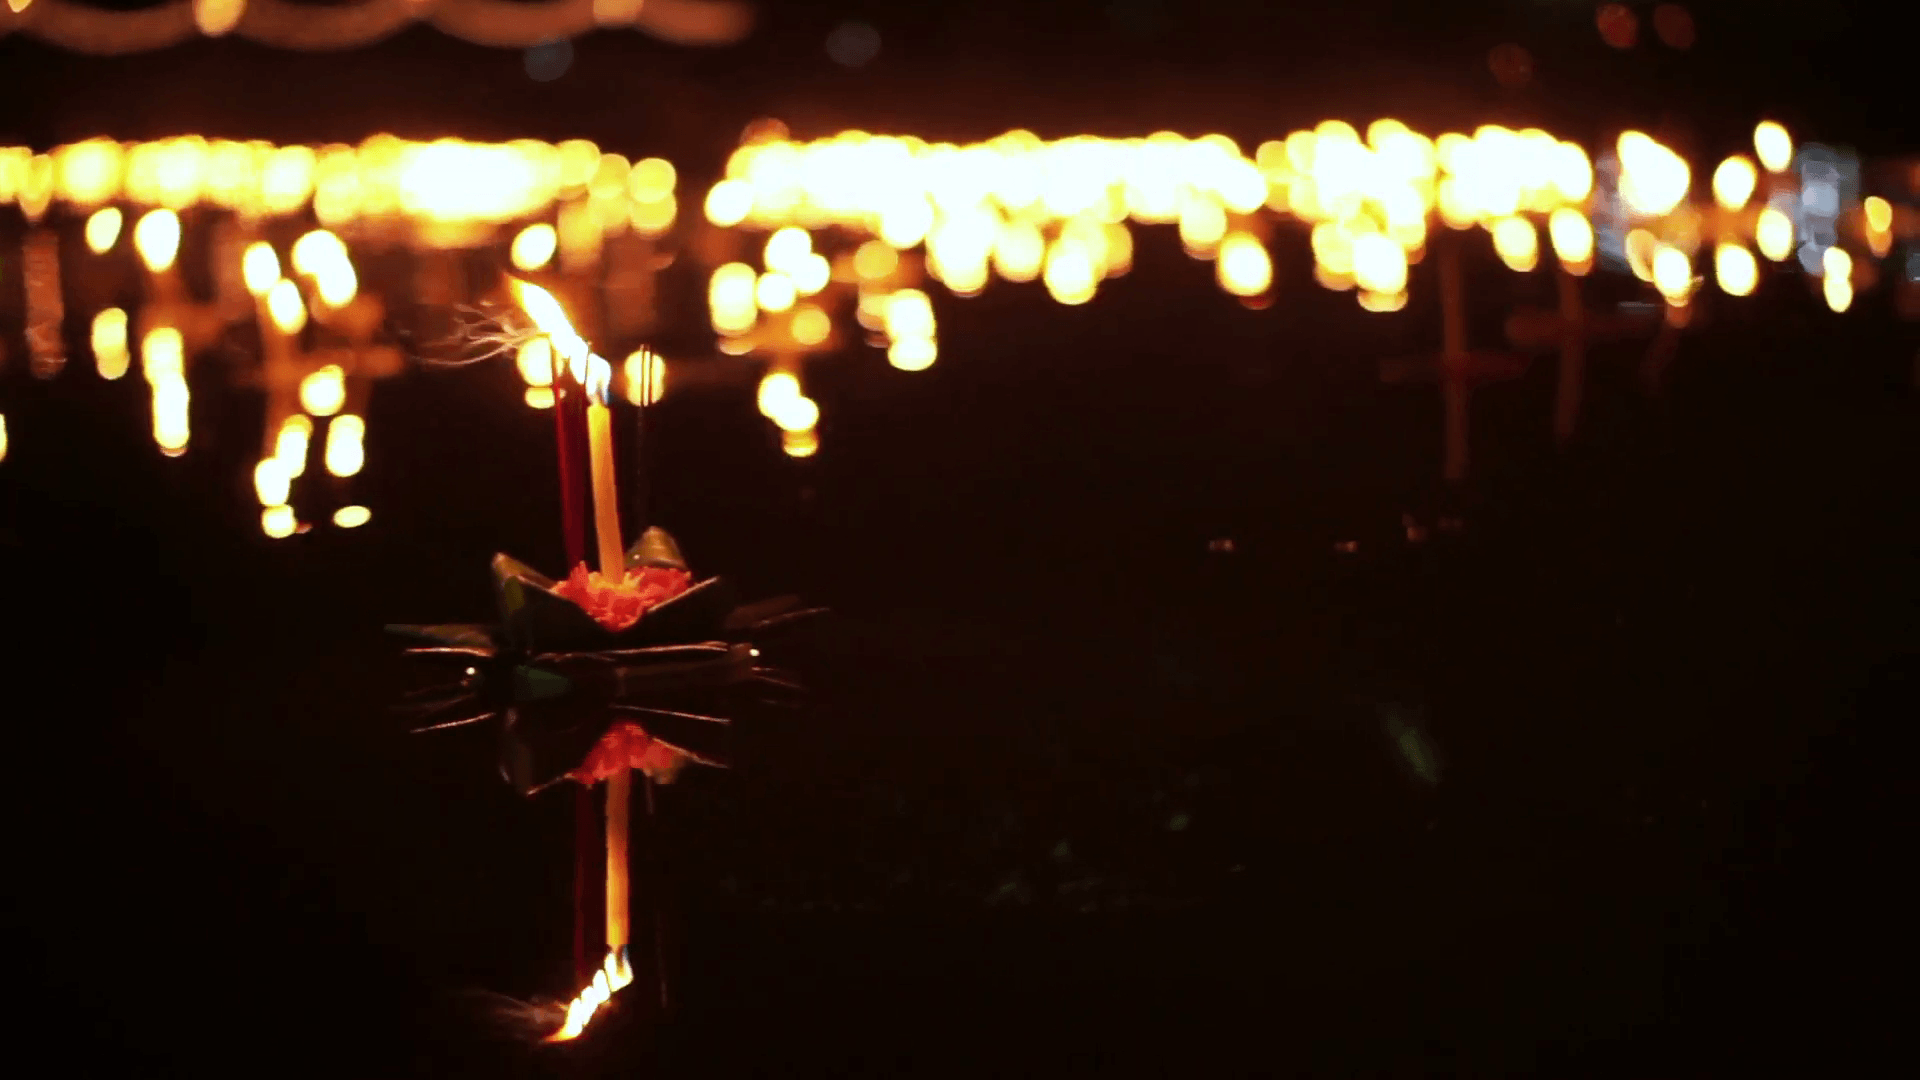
x,y
612,977
551,319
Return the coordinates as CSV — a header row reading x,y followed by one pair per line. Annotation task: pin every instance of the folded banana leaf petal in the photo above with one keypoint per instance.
x,y
556,680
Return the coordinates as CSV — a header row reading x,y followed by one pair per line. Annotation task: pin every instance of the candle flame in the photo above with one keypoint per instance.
x,y
551,319
612,977
156,236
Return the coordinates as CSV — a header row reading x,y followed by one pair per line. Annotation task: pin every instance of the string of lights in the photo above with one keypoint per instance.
x,y
79,27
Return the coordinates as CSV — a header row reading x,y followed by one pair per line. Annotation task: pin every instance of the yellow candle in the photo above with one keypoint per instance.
x,y
606,505
619,796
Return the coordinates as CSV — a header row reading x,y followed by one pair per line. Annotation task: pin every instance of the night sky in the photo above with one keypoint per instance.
x,y
1163,728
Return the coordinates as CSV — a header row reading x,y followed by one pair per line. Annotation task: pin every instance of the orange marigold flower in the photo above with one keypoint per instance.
x,y
617,605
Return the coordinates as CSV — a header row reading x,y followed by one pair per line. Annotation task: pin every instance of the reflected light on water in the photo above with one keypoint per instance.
x,y
156,236
1773,234
1733,182
259,268
110,354
271,482
290,445
1735,269
324,391
1773,146
285,308
345,450
1673,274
1572,237
1517,243
1243,267
533,248
103,229
279,522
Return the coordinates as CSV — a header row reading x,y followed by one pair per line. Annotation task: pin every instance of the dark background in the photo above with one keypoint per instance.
x,y
1087,794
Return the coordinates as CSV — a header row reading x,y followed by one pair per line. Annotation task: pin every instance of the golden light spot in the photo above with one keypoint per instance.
x,y
1773,146
1735,270
1733,182
103,229
533,248
278,521
352,517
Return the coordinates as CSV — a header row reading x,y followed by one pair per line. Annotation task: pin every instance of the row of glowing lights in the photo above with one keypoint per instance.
x,y
448,180
1056,211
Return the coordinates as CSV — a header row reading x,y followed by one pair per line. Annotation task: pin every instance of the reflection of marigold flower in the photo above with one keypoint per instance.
x,y
626,745
617,605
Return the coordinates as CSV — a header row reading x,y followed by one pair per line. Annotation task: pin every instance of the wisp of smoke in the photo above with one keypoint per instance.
x,y
479,334
521,1021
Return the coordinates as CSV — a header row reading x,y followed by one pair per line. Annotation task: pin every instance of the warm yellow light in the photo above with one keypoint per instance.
x,y
1733,182
800,443
1879,213
653,218
1378,264
906,222
3,436
290,445
1673,274
1203,222
1381,303
646,374
260,268
1517,243
216,17
551,319
775,291
352,517
279,522
1019,251
534,247
909,314
170,414
1735,269
534,359
1653,179
103,229
156,236
776,389
1839,293
1641,246
912,354
797,413
271,482
539,397
810,325
324,391
1244,267
810,273
336,283
1572,237
786,247
875,260
731,298
651,180
729,203
315,250
1773,146
89,172
110,343
285,308
345,451
1837,263
163,354
1773,234
1070,275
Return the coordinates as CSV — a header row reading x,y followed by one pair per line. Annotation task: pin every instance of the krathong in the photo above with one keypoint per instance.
x,y
633,666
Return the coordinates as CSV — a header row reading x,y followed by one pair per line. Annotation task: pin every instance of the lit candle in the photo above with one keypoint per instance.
x,y
606,504
571,348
